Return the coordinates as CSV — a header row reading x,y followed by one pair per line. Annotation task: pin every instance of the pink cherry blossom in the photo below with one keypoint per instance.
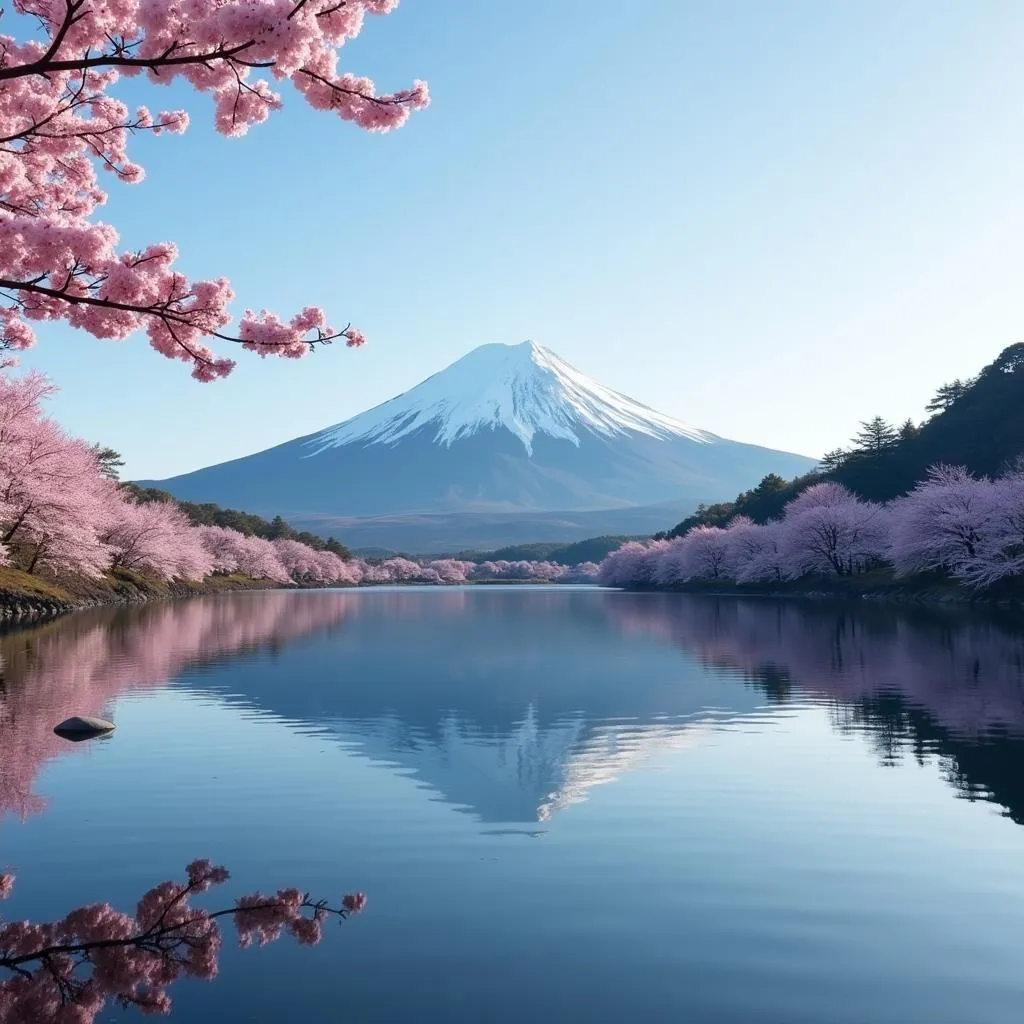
x,y
951,522
941,524
59,124
354,902
701,553
829,530
68,970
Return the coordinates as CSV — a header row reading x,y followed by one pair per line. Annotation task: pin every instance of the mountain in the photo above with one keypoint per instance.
x,y
507,430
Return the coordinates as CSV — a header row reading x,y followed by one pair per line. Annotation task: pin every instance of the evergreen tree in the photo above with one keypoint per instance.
x,y
337,548
947,395
770,484
908,430
875,437
832,460
279,529
110,461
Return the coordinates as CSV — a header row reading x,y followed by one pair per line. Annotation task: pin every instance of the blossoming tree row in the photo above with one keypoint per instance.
x,y
60,515
968,528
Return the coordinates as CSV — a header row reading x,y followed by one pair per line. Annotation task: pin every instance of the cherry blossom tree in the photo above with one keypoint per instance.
x,y
631,565
582,572
54,500
701,553
828,529
302,564
451,570
375,574
254,557
942,523
402,570
1000,552
155,538
68,970
59,122
755,552
332,569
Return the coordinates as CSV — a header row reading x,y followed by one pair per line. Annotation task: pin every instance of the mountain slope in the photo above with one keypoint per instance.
x,y
505,429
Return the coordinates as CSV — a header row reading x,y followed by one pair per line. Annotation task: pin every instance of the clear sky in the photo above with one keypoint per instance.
x,y
772,220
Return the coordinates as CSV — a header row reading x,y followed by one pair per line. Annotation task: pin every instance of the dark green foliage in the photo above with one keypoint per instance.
x,y
949,394
834,459
538,552
208,514
875,437
978,424
110,461
765,501
593,549
908,430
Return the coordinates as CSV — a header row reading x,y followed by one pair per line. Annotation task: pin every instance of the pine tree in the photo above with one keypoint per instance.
x,y
948,395
832,460
875,436
336,547
278,529
110,461
908,430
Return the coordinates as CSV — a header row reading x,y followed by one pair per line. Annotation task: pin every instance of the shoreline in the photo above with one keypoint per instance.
x,y
28,600
930,591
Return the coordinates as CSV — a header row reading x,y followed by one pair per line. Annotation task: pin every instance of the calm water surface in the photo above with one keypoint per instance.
x,y
564,804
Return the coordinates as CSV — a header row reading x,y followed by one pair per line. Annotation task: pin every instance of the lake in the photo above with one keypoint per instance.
x,y
563,803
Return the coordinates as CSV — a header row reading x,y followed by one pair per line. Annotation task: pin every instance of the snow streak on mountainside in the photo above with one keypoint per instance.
x,y
524,388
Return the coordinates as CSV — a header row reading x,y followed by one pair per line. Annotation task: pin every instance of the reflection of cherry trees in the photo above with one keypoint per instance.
x,y
968,676
947,686
66,971
75,666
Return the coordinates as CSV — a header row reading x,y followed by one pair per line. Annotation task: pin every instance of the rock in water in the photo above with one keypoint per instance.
x,y
83,728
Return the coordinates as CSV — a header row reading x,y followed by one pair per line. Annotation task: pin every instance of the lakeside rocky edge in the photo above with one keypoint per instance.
x,y
26,599
871,586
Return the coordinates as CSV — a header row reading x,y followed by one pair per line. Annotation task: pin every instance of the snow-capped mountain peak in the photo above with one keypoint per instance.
x,y
524,388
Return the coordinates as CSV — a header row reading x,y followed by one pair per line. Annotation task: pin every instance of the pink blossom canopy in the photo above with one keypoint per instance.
x,y
59,122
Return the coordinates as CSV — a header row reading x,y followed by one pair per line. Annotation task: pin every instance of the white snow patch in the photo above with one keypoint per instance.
x,y
524,388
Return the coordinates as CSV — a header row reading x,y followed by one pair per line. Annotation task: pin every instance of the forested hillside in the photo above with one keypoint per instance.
x,y
977,424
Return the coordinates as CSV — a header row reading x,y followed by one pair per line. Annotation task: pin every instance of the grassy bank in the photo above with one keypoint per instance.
x,y
27,598
880,585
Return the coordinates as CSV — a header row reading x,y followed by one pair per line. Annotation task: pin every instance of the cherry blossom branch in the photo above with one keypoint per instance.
x,y
59,125
45,66
171,316
133,960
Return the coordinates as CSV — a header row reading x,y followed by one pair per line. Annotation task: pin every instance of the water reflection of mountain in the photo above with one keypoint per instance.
x,y
510,705
513,704
916,682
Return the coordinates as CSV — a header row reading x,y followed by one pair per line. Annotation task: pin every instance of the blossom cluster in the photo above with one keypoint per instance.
x,y
968,528
68,970
59,123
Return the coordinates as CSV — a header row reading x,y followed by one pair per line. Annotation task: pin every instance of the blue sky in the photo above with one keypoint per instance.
x,y
771,220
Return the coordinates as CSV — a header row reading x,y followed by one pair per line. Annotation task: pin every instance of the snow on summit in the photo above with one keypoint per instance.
x,y
525,388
